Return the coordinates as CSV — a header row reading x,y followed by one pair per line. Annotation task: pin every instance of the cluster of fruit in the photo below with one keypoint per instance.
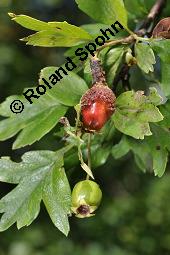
x,y
97,106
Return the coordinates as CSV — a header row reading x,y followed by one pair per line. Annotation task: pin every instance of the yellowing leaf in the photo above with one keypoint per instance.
x,y
51,34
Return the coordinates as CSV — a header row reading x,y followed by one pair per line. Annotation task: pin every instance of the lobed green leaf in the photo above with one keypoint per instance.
x,y
162,48
114,59
69,90
41,177
133,113
29,22
39,118
51,34
151,153
145,57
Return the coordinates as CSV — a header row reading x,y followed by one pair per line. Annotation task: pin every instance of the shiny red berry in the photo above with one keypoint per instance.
x,y
97,106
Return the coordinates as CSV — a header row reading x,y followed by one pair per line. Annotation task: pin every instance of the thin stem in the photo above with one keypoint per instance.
x,y
89,150
126,40
156,9
80,155
89,153
65,149
78,110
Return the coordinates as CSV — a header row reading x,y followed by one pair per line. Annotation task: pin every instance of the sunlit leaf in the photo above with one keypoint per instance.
x,y
107,11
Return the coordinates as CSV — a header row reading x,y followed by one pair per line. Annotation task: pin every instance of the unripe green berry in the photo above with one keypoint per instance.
x,y
86,197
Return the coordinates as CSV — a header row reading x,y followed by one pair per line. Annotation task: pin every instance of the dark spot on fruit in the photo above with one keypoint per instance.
x,y
83,210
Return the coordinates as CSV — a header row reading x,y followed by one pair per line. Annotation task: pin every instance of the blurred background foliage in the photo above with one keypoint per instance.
x,y
134,217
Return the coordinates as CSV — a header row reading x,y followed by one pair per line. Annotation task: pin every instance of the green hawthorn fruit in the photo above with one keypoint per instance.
x,y
86,197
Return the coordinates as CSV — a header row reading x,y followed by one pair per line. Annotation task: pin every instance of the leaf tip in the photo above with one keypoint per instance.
x,y
12,15
14,146
23,39
66,233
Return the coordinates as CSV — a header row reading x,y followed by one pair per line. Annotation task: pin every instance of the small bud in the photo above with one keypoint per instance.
x,y
86,197
130,60
162,29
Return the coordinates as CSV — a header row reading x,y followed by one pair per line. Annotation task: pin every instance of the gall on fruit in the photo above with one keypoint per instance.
x,y
86,197
98,103
162,29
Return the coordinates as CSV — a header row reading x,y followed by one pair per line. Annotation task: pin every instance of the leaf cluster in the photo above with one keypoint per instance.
x,y
141,119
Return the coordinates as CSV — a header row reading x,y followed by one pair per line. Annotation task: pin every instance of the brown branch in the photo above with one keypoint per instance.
x,y
126,40
156,9
153,14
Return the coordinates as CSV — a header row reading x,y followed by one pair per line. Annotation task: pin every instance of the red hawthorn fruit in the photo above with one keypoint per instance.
x,y
162,29
97,106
